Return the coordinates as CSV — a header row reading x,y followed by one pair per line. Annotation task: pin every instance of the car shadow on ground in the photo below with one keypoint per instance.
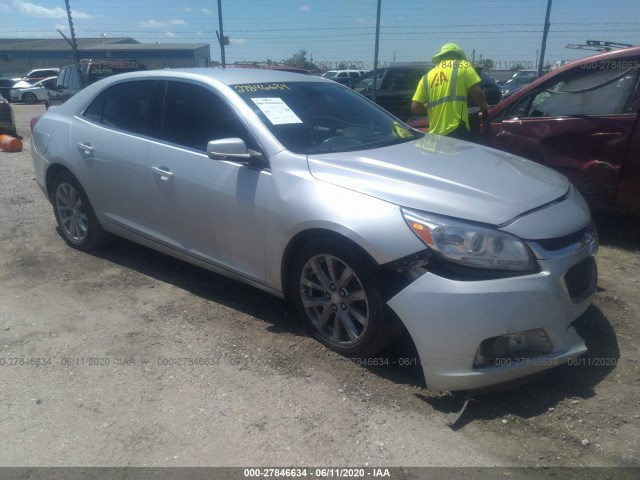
x,y
210,286
400,362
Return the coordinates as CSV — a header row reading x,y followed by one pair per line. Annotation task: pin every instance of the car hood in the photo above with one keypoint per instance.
x,y
441,175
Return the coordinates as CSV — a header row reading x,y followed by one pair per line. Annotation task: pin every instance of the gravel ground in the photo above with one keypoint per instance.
x,y
254,389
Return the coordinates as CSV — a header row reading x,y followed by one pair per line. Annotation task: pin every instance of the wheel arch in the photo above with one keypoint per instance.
x,y
301,239
52,172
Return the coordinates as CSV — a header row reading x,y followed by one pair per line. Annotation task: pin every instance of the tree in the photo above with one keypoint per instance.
x,y
517,67
299,60
487,64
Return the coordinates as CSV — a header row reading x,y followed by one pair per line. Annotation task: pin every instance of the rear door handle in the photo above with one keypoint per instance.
x,y
85,148
163,172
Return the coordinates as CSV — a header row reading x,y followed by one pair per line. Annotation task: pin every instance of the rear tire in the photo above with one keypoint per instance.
x,y
74,213
339,299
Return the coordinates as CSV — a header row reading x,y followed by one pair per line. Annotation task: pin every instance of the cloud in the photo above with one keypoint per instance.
x,y
4,7
305,8
161,24
32,9
237,41
169,34
206,11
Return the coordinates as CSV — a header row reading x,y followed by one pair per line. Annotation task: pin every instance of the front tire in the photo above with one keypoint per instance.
x,y
29,98
74,213
338,297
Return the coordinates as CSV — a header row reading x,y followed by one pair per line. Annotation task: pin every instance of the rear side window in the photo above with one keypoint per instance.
x,y
127,106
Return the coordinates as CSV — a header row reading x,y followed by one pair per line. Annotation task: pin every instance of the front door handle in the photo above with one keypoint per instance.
x,y
163,172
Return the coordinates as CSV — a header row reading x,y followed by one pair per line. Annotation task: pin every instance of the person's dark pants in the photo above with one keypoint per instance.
x,y
461,132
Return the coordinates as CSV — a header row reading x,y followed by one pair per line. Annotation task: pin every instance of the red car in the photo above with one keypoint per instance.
x,y
582,120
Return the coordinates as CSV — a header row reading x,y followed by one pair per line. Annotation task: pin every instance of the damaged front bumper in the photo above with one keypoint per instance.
x,y
473,334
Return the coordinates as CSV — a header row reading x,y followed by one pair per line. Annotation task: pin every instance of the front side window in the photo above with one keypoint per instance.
x,y
364,84
73,80
590,92
193,116
60,82
319,117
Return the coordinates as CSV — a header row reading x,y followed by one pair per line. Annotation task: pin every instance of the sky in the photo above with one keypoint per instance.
x,y
335,31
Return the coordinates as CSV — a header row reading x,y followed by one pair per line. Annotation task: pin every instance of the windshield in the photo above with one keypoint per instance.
x,y
319,117
364,84
330,74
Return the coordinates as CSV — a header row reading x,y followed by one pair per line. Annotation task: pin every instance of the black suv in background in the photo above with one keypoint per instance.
x,y
74,78
395,87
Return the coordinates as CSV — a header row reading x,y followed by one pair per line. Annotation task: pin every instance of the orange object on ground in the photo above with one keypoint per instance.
x,y
10,144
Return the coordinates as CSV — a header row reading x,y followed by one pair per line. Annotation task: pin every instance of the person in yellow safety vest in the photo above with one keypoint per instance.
x,y
444,94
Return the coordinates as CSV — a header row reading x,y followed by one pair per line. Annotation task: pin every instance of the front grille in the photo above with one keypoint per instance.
x,y
554,244
581,280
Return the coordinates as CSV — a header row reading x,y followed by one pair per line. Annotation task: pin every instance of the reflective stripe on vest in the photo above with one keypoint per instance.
x,y
453,86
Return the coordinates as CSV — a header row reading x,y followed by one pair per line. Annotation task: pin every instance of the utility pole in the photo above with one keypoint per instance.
x,y
543,47
74,43
221,35
375,56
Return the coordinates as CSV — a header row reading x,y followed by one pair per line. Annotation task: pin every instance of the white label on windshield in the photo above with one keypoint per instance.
x,y
276,111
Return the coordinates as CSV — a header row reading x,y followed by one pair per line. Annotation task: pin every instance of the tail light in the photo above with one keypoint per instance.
x,y
33,121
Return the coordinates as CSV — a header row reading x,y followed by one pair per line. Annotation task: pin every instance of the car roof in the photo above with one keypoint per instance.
x,y
220,76
227,76
43,80
43,70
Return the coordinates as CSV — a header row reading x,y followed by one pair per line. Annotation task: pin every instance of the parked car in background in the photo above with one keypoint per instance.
x,y
303,188
518,80
38,74
581,119
346,77
7,119
33,93
74,78
490,88
5,86
395,86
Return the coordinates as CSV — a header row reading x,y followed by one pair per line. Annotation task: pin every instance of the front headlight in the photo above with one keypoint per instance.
x,y
469,244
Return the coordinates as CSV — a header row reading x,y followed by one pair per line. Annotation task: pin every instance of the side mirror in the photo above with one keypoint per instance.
x,y
232,149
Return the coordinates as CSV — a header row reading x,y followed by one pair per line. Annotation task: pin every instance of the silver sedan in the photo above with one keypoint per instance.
x,y
303,188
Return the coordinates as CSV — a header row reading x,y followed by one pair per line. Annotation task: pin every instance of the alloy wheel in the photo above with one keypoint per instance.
x,y
334,300
72,213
